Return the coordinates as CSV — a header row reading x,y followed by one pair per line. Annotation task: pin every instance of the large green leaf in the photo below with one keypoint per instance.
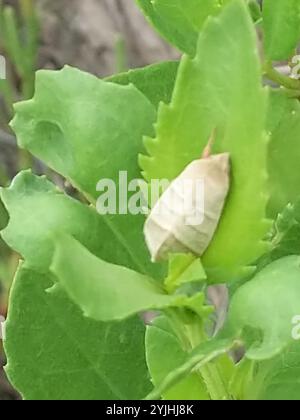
x,y
83,128
283,124
156,82
281,22
37,209
164,355
108,292
54,353
180,21
210,92
261,311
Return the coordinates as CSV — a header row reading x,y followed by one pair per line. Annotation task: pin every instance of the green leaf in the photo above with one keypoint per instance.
x,y
164,355
156,82
261,311
255,10
184,41
283,125
187,14
180,21
281,22
211,93
83,128
107,292
37,209
54,353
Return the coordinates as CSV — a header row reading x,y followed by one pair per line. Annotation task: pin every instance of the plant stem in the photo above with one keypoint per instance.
x,y
120,55
209,372
291,93
279,78
191,336
178,328
197,362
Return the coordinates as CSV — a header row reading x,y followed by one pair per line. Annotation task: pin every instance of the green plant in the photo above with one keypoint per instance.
x,y
73,330
19,34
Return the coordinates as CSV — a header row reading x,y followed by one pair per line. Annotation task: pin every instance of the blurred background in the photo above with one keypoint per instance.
x,y
99,36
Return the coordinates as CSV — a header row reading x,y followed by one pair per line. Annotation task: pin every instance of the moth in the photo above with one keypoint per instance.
x,y
185,218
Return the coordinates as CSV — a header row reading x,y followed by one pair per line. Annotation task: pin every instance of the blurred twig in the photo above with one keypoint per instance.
x,y
120,55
